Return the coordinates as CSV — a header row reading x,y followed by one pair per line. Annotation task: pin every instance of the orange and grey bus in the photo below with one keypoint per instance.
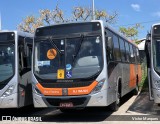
x,y
153,62
15,69
77,65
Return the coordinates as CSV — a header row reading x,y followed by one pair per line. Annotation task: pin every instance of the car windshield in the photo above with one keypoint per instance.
x,y
6,61
70,58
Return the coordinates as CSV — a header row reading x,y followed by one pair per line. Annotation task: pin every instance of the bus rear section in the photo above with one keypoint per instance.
x,y
13,81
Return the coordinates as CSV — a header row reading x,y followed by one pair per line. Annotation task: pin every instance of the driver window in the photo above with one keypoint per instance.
x,y
109,45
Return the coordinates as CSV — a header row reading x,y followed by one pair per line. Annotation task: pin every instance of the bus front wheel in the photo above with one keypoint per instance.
x,y
115,106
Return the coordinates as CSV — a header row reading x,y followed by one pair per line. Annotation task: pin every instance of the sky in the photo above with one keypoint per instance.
x,y
130,12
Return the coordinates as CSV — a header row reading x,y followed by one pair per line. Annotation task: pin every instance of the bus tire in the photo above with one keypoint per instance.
x,y
115,105
136,90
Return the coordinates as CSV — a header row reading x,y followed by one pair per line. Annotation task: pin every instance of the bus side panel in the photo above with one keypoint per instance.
x,y
132,83
111,83
114,74
25,89
125,79
139,73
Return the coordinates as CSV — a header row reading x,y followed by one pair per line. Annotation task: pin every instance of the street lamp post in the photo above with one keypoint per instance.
x,y
0,22
93,10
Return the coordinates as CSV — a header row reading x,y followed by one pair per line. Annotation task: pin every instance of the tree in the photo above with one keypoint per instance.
x,y
131,32
48,17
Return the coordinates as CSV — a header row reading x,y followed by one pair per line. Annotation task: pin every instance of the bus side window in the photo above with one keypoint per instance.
x,y
117,55
109,48
109,45
28,52
21,52
132,54
25,53
137,56
127,51
122,48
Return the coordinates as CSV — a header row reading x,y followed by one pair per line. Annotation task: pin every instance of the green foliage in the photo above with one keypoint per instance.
x,y
143,85
48,17
131,32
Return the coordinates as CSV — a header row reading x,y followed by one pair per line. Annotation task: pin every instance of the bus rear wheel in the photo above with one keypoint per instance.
x,y
136,90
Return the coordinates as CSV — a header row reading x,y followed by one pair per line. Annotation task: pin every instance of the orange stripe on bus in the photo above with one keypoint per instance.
x,y
49,91
132,82
71,91
139,73
82,90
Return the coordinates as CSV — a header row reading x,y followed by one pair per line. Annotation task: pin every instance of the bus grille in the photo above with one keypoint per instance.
x,y
66,84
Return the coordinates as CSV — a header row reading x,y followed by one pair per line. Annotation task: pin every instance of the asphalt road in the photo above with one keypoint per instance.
x,y
132,106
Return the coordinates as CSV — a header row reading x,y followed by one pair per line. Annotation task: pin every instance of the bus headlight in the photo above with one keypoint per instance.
x,y
157,83
36,90
8,91
98,87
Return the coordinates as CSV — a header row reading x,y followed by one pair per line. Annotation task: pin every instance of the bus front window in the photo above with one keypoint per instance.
x,y
79,57
85,57
6,61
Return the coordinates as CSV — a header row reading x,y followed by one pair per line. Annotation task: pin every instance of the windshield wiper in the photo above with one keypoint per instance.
x,y
75,55
53,44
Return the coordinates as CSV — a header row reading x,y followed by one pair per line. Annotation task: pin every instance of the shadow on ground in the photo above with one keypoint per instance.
x,y
85,115
142,104
95,114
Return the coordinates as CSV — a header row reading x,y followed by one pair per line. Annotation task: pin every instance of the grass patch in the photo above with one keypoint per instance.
x,y
143,85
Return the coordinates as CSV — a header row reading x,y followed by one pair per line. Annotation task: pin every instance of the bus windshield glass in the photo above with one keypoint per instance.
x,y
68,58
156,53
7,50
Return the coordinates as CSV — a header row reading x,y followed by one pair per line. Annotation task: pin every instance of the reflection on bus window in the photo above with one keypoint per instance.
x,y
83,54
6,61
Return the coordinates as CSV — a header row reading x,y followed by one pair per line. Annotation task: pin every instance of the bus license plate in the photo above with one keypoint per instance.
x,y
66,105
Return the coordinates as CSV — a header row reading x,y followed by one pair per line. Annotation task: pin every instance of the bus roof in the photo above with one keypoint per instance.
x,y
155,24
104,24
21,33
119,34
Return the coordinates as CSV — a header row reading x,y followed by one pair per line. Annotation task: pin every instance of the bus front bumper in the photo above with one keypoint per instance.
x,y
98,99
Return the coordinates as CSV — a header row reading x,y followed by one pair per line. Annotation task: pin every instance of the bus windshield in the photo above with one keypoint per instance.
x,y
6,60
76,57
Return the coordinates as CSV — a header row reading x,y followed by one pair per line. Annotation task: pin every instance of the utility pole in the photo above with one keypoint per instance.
x,y
0,22
93,10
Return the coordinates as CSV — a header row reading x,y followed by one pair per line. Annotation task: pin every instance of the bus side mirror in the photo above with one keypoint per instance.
x,y
109,43
25,47
148,37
